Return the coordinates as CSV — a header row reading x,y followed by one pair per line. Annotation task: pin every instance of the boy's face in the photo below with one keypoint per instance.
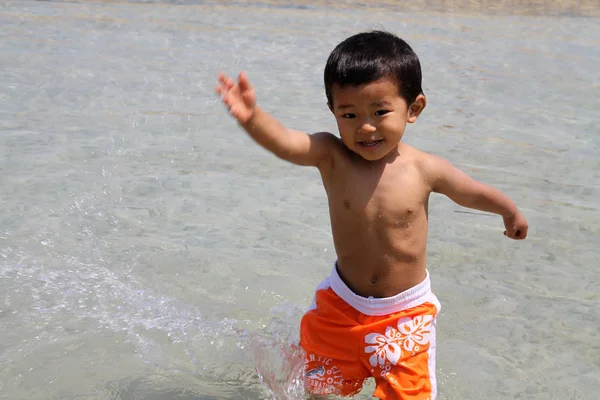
x,y
372,117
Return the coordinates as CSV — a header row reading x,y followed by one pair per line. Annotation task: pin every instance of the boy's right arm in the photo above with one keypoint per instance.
x,y
293,146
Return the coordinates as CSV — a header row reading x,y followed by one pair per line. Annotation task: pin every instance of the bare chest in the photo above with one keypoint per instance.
x,y
393,196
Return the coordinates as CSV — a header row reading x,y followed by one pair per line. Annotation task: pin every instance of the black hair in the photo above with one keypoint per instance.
x,y
371,56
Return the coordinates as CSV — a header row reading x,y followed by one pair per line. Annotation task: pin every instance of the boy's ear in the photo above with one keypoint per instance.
x,y
416,108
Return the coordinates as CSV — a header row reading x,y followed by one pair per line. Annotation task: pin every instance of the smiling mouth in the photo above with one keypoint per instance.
x,y
370,143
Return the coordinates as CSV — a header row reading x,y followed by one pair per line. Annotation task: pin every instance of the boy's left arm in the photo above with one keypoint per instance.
x,y
467,192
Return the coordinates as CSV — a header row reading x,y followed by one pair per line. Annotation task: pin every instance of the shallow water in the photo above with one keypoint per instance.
x,y
148,249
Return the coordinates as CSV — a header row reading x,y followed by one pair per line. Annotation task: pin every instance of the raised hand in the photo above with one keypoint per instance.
x,y
239,97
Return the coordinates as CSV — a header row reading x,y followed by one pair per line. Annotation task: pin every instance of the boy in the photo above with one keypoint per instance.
x,y
374,316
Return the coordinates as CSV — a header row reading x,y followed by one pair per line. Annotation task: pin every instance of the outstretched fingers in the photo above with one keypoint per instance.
x,y
244,82
224,86
238,96
225,82
221,87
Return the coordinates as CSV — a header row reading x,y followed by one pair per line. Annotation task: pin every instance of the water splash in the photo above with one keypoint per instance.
x,y
280,369
68,296
278,359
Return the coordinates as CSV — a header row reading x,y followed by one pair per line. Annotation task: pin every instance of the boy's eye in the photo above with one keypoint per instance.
x,y
381,112
348,116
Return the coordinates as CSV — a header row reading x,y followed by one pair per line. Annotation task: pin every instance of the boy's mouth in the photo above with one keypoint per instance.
x,y
370,143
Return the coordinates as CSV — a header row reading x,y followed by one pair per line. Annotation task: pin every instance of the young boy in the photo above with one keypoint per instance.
x,y
374,316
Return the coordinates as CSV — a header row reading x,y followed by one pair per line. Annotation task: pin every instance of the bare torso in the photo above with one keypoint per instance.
x,y
379,220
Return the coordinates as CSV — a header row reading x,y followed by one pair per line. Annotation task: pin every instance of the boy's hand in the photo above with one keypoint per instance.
x,y
516,226
239,97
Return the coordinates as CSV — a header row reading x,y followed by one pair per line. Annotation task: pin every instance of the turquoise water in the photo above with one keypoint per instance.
x,y
148,249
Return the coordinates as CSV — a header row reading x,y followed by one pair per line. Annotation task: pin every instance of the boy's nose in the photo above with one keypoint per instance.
x,y
366,128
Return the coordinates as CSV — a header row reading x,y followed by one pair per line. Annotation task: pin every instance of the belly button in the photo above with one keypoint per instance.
x,y
346,204
374,280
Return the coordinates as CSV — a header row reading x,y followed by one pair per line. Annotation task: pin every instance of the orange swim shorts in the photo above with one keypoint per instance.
x,y
348,338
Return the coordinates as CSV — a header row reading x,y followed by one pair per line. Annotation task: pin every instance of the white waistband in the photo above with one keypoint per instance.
x,y
412,297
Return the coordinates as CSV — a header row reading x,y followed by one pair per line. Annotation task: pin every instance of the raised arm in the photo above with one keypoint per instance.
x,y
467,192
294,146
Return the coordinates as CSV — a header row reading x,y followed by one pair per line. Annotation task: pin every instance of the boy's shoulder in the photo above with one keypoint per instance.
x,y
426,164
327,137
333,142
432,169
413,155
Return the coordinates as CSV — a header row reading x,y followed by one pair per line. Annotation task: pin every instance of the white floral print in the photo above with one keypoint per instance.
x,y
385,347
411,333
415,331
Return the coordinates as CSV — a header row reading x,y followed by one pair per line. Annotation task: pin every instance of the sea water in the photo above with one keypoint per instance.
x,y
150,250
